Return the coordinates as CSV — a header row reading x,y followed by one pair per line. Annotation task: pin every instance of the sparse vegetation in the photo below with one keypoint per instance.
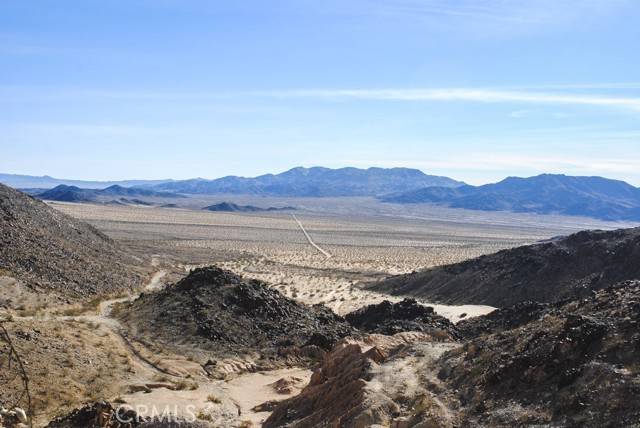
x,y
214,399
204,416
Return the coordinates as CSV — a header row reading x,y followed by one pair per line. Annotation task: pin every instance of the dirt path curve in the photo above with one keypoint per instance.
x,y
154,284
103,317
313,244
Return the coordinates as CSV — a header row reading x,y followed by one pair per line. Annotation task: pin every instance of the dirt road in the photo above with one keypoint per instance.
x,y
313,244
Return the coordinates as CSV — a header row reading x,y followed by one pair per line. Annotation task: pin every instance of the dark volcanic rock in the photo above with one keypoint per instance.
x,y
503,319
575,365
47,249
408,315
219,311
564,268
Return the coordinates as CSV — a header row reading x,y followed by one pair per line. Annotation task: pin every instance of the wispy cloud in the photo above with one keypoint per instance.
x,y
464,94
485,17
518,114
583,86
474,95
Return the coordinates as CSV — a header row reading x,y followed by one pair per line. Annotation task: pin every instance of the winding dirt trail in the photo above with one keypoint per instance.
x,y
180,385
103,317
154,284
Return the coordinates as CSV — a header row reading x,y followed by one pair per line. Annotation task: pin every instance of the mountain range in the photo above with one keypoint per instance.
x,y
66,193
595,197
314,182
18,181
561,350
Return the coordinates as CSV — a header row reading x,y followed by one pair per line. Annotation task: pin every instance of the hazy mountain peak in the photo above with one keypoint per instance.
x,y
316,181
596,197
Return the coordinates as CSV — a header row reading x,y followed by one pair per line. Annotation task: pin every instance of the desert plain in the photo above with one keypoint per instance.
x,y
326,251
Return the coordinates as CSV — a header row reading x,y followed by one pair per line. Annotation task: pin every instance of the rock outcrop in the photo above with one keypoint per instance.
x,y
408,315
568,364
226,315
376,381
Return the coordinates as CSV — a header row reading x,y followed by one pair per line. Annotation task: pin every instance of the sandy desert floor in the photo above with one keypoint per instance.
x,y
337,254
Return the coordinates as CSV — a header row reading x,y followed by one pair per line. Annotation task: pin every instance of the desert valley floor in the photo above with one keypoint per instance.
x,y
324,254
359,248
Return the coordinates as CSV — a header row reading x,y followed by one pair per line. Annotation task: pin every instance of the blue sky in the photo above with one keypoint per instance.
x,y
477,90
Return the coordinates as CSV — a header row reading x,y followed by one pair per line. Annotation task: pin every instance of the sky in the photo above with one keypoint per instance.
x,y
472,89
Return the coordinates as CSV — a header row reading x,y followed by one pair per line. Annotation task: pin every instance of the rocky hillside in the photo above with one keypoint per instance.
x,y
596,197
222,313
48,250
573,364
569,364
562,268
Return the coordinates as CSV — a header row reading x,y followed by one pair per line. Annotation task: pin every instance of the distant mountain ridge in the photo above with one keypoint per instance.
x,y
231,207
595,197
64,193
314,182
18,181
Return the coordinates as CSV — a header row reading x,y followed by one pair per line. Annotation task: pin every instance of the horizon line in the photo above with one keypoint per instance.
x,y
106,181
